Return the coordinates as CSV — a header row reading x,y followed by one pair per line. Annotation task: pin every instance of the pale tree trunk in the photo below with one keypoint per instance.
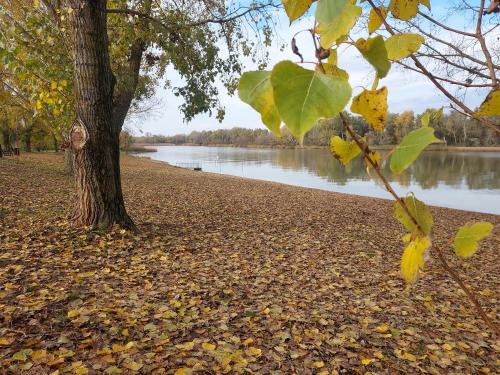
x,y
94,138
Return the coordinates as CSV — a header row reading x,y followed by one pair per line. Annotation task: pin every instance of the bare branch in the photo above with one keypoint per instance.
x,y
223,20
482,42
464,84
445,26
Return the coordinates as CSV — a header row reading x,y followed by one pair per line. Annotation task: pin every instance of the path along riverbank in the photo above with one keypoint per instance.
x,y
229,274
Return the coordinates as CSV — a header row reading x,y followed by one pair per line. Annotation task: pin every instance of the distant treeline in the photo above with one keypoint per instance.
x,y
453,129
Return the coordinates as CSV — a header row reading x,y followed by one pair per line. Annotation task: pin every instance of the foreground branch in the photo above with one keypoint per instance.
x,y
366,155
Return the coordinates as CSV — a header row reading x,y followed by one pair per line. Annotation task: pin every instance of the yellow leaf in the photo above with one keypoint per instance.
x,y
73,313
413,258
5,341
134,366
409,357
53,85
175,303
319,364
186,346
82,370
404,9
447,346
121,348
208,346
372,105
253,351
374,20
426,3
367,361
335,71
378,355
182,371
383,328
248,341
403,45
343,150
38,104
375,157
296,8
39,354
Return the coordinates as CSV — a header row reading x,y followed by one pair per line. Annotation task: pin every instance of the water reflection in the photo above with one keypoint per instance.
x,y
467,180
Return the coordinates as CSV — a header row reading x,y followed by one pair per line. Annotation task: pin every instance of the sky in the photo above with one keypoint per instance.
x,y
407,90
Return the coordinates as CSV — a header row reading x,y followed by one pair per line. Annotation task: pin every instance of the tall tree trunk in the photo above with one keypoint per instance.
x,y
94,138
27,138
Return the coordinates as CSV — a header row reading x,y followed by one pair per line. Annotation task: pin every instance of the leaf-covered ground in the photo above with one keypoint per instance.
x,y
228,275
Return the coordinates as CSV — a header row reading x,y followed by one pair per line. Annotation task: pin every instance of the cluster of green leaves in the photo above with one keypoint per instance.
x,y
299,97
36,66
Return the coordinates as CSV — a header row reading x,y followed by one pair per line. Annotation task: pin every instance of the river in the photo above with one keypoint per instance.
x,y
464,180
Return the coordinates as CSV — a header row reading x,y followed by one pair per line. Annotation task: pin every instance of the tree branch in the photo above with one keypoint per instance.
x,y
233,16
436,83
464,84
482,42
445,26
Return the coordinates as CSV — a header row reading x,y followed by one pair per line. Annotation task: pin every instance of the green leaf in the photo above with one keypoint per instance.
x,y
374,20
400,46
413,258
303,96
410,147
419,211
491,105
335,18
374,51
404,9
255,89
468,236
426,117
343,150
372,105
296,8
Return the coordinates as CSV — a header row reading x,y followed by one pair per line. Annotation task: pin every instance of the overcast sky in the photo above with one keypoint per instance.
x,y
407,90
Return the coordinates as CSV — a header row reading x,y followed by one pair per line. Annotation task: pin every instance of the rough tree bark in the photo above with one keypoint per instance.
x,y
69,159
94,136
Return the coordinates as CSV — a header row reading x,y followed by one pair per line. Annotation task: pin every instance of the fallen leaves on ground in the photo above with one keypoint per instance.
x,y
227,276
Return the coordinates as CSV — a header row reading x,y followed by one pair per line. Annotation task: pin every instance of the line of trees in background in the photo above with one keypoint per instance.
x,y
453,129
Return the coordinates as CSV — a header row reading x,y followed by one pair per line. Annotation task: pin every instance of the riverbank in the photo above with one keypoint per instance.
x,y
148,146
228,274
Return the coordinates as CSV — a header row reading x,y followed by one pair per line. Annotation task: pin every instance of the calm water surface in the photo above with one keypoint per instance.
x,y
464,180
